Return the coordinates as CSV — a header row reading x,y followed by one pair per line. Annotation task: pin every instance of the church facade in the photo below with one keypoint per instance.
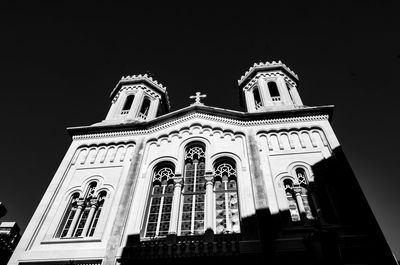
x,y
147,185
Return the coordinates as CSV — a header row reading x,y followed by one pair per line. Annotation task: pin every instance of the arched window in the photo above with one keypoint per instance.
x,y
257,97
128,104
297,196
302,179
144,110
226,198
86,209
160,202
273,91
81,217
100,203
69,215
291,198
192,214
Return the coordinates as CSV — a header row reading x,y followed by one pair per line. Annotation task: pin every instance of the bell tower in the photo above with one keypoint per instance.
x,y
137,98
269,87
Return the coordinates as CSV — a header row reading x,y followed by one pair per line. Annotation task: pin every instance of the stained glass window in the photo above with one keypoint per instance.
x,y
192,215
159,212
226,199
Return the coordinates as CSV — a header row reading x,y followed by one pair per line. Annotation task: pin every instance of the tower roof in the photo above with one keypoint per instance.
x,y
146,79
257,67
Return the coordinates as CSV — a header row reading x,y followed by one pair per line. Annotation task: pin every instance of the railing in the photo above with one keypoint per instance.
x,y
142,116
275,99
258,105
124,112
175,246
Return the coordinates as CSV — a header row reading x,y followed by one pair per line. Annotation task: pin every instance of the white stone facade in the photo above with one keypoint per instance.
x,y
121,162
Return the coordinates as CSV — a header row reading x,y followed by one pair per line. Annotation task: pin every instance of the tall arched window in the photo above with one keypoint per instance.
x,y
160,202
273,91
81,217
192,214
100,202
257,97
144,110
226,198
127,104
291,198
86,209
302,179
297,196
69,215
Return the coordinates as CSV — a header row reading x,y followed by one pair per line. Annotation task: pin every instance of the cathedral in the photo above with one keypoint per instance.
x,y
202,184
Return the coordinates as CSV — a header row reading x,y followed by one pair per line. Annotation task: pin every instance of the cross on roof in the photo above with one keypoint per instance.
x,y
197,98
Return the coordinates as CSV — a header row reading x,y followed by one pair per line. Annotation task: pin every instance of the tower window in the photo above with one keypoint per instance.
x,y
273,91
257,97
144,110
128,104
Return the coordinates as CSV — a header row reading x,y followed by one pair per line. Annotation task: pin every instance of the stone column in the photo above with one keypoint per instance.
x,y
173,222
136,104
249,98
78,211
264,92
283,91
111,112
93,206
296,96
209,206
299,200
152,113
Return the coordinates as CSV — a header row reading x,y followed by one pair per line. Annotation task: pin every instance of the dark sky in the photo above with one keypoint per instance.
x,y
58,66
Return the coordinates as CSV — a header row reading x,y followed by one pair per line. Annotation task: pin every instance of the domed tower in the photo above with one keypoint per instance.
x,y
269,87
137,98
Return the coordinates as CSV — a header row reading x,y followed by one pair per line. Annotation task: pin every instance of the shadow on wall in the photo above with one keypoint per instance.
x,y
344,231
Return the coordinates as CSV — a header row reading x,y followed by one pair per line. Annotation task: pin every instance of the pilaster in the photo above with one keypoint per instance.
x,y
124,204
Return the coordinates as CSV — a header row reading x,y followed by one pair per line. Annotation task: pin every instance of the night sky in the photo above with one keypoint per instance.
x,y
58,67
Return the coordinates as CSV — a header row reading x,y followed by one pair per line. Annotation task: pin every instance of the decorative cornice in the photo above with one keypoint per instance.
x,y
266,66
251,82
146,80
129,78
135,87
208,117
